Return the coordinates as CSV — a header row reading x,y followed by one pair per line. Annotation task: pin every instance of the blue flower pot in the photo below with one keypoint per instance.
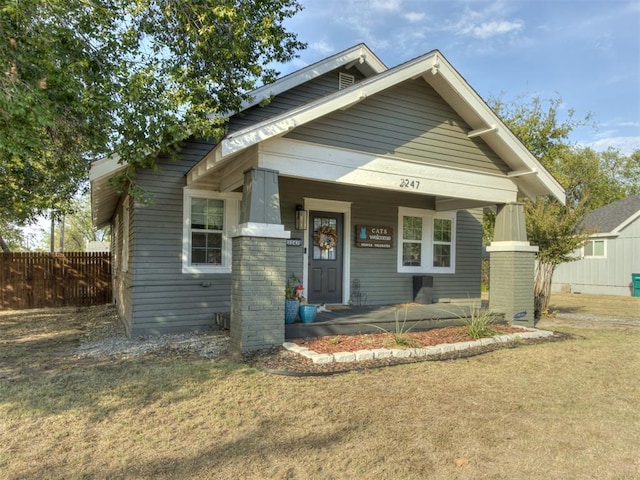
x,y
308,313
291,310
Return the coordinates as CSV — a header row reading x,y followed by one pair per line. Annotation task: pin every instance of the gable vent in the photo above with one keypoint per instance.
x,y
345,80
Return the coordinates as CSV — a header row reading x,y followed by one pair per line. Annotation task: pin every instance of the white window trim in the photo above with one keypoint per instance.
x,y
231,219
596,257
125,234
428,217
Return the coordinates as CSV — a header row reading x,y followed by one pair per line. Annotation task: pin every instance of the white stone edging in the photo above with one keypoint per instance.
x,y
378,353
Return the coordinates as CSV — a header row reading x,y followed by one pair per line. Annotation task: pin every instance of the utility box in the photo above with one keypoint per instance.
x,y
635,284
423,289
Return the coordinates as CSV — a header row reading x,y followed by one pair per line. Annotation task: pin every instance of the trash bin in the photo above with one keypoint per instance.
x,y
422,289
635,283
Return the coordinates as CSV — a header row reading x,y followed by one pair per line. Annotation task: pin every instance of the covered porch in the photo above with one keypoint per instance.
x,y
350,320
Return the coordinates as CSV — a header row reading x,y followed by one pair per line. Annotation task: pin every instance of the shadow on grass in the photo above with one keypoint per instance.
x,y
104,387
256,451
41,374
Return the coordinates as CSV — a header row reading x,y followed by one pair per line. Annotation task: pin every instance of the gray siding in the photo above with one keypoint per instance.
x,y
377,268
409,121
164,299
606,276
305,93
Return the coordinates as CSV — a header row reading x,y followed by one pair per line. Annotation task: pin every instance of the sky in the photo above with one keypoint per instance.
x,y
585,52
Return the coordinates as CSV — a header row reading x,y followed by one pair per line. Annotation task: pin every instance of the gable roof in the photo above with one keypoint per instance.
x,y
359,56
527,174
614,217
531,178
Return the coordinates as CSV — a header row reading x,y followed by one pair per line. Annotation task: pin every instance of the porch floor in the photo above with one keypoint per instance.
x,y
345,320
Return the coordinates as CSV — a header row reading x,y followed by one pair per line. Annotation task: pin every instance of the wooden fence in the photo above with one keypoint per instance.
x,y
36,280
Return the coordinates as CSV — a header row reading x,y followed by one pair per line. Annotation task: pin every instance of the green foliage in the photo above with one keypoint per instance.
x,y
290,288
80,80
11,239
78,228
536,122
479,322
591,179
399,334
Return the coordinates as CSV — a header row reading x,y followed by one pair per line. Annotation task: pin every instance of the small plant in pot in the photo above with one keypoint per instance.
x,y
292,294
307,312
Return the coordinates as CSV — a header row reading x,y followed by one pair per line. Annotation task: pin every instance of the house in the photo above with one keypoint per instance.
x,y
610,255
344,173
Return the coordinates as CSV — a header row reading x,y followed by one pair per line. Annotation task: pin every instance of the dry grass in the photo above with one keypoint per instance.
x,y
605,305
555,410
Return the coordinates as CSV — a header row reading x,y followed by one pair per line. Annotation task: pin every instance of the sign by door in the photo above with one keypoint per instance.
x,y
374,236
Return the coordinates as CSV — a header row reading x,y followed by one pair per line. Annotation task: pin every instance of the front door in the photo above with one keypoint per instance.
x,y
325,257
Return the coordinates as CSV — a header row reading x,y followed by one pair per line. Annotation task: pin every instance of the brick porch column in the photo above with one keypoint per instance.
x,y
512,267
258,266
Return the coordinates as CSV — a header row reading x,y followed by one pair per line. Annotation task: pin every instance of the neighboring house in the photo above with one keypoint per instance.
x,y
610,255
394,163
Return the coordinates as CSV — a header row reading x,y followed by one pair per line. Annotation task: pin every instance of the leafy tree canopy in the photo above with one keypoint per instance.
x,y
80,79
591,179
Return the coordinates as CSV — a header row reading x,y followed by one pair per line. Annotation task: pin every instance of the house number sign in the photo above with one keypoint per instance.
x,y
294,242
374,236
409,183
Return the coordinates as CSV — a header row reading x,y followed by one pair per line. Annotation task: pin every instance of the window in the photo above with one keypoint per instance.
x,y
594,248
208,219
427,241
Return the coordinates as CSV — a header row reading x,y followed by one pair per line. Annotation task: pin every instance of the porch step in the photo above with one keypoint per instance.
x,y
353,327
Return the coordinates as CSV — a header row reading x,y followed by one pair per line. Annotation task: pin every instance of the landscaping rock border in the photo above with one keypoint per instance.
x,y
435,350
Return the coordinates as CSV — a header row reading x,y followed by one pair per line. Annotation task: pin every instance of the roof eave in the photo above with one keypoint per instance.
x,y
359,56
439,73
104,197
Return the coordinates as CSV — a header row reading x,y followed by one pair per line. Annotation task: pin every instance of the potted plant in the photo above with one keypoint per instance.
x,y
292,299
306,312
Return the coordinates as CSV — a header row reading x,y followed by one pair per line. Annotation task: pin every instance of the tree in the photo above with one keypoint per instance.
x,y
553,227
11,238
78,228
80,79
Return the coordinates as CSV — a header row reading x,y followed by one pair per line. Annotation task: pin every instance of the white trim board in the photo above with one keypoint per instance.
x,y
306,160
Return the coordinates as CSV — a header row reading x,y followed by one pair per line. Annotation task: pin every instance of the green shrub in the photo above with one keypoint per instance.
x,y
479,322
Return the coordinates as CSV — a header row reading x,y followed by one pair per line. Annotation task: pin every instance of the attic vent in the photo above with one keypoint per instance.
x,y
345,80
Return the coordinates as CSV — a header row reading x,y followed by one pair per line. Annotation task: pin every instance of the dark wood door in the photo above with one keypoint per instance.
x,y
325,257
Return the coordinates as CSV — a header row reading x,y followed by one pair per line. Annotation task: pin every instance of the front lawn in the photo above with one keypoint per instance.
x,y
553,410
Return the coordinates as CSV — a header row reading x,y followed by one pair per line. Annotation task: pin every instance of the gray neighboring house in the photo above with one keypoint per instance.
x,y
610,255
393,164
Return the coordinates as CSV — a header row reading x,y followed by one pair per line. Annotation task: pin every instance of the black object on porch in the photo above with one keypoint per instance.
x,y
353,320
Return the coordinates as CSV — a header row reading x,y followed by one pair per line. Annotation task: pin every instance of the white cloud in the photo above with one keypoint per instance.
x,y
626,145
491,29
386,5
322,47
414,17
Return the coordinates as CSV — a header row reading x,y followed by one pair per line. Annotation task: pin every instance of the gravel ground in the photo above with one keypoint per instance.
x,y
105,337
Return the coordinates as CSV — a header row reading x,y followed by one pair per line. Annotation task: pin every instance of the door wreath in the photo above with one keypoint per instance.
x,y
326,238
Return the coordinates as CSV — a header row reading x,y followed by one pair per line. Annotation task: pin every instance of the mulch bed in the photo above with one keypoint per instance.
x,y
281,361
